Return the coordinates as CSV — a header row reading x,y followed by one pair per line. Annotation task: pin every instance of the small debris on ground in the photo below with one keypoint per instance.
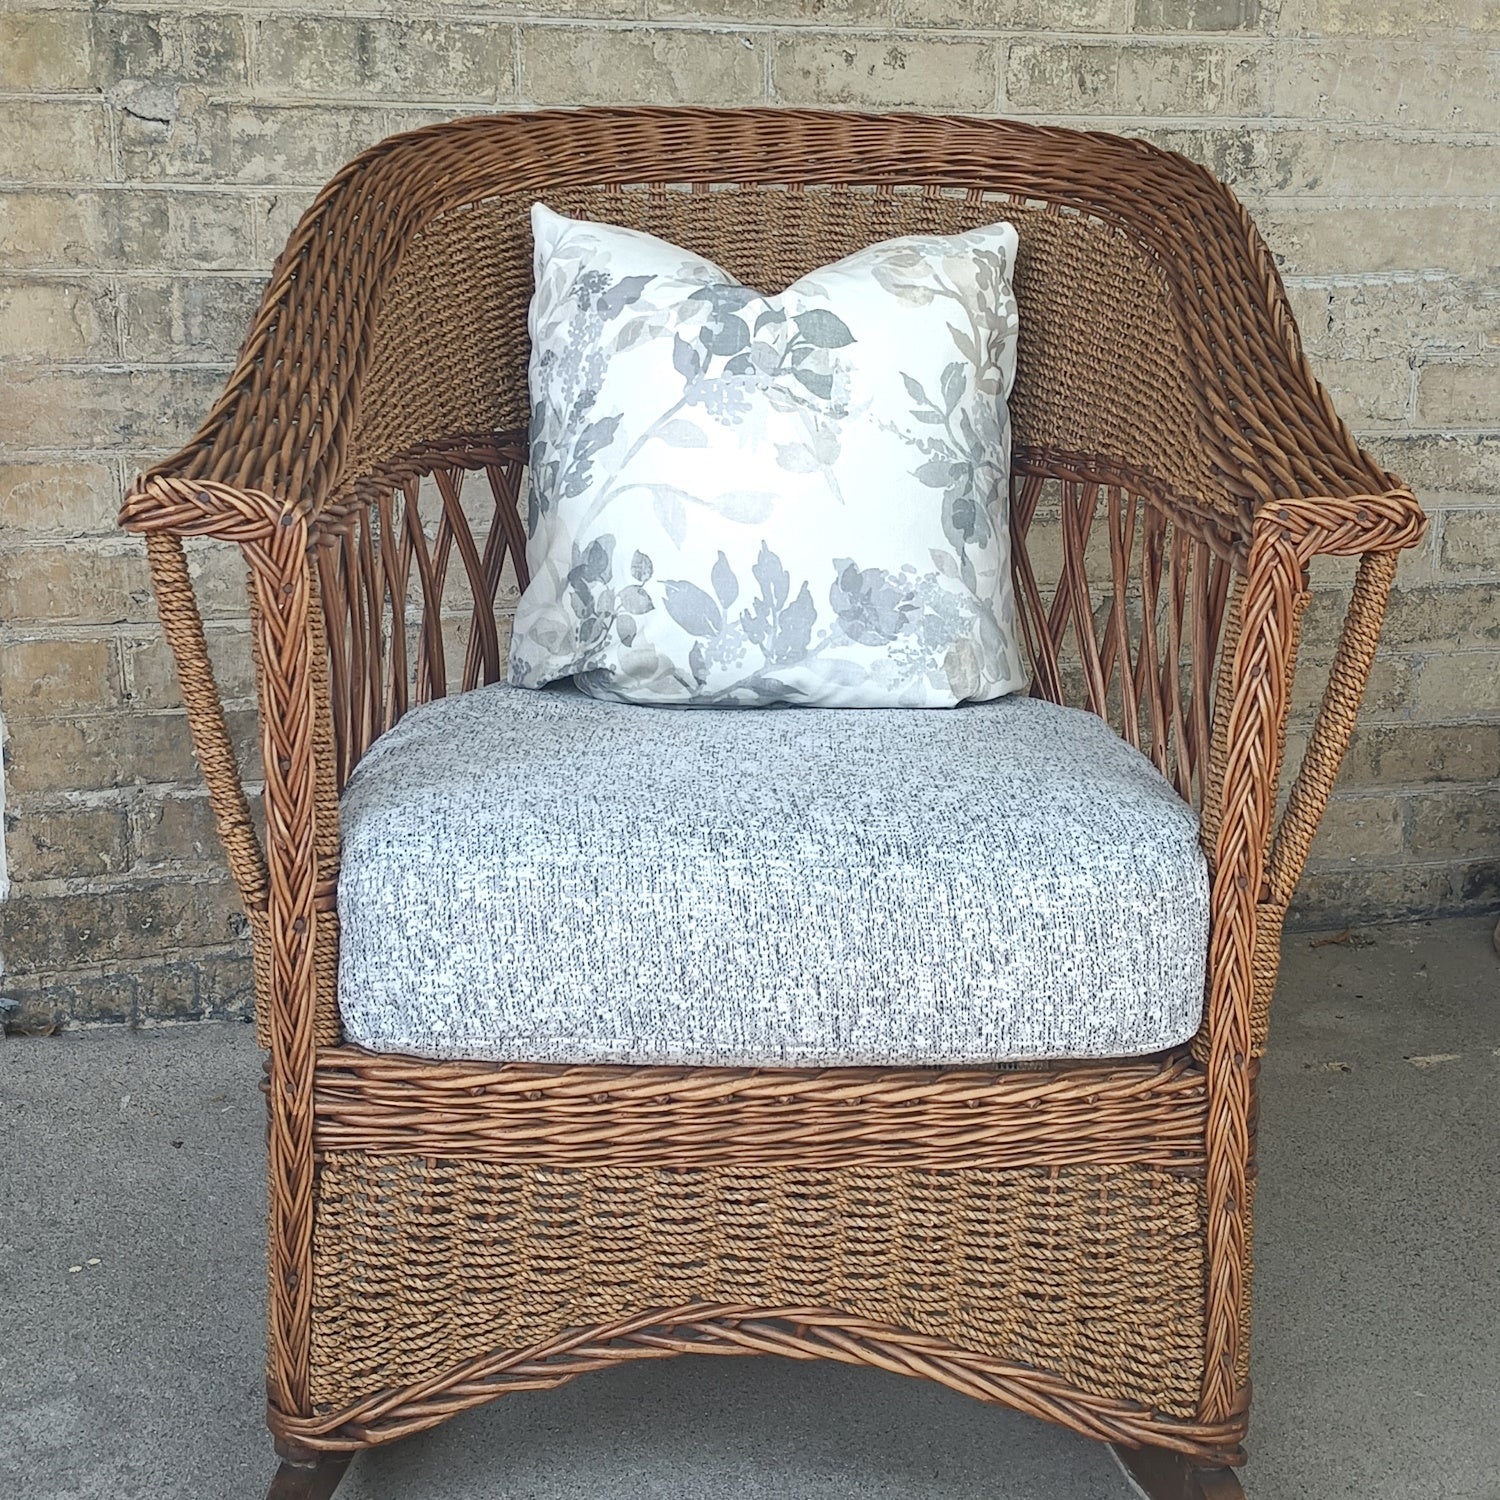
x,y
1434,1059
1348,938
1329,1067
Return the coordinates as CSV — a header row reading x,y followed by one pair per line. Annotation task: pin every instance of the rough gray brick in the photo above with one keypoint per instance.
x,y
319,56
893,72
66,842
577,65
1196,15
41,933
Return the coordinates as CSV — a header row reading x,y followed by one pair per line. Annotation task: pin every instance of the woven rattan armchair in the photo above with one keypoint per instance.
x,y
1176,470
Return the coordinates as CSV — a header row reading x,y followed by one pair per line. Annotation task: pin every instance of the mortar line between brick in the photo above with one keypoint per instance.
x,y
122,366
72,276
479,17
130,632
111,969
126,882
61,799
112,141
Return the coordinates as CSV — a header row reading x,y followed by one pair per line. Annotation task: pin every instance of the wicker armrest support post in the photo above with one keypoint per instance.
x,y
1252,878
279,885
1375,529
182,625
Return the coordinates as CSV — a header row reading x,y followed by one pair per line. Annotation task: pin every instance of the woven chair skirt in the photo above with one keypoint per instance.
x,y
1091,1275
485,1227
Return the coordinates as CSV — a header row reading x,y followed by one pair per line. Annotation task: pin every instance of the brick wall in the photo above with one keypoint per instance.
x,y
154,155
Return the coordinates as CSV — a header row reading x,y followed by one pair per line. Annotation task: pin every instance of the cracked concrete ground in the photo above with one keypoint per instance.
x,y
131,1206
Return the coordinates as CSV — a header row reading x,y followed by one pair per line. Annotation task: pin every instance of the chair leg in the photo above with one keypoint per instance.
x,y
1164,1475
307,1475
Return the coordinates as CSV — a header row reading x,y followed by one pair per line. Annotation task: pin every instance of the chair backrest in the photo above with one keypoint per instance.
x,y
1100,363
1122,267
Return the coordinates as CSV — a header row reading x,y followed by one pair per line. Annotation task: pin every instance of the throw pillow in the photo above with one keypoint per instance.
x,y
741,499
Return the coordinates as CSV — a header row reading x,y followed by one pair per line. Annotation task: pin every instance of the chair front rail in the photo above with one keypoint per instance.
x,y
1144,1112
791,1332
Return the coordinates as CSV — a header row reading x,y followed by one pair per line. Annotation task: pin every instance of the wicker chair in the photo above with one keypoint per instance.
x,y
1176,469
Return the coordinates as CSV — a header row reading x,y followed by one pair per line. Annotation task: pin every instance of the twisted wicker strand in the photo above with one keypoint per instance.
x,y
1334,726
183,627
793,1332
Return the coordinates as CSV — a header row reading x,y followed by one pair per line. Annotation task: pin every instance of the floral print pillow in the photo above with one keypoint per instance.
x,y
737,499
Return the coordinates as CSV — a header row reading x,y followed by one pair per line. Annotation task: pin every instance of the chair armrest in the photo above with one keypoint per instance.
x,y
286,883
1376,531
1257,858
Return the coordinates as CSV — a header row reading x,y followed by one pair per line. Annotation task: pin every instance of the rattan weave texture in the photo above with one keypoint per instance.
x,y
1095,374
409,1290
1177,468
1147,1112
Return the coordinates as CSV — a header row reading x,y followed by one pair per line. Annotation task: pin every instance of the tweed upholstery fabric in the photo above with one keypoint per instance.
x,y
541,876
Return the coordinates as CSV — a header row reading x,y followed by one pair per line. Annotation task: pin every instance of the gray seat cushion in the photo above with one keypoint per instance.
x,y
546,877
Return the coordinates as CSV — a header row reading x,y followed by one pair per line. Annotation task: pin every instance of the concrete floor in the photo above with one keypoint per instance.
x,y
131,1209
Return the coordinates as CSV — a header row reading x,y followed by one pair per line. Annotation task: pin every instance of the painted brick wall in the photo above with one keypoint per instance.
x,y
154,155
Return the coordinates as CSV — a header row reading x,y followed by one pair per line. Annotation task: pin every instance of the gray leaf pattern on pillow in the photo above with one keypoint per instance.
x,y
908,614
781,377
